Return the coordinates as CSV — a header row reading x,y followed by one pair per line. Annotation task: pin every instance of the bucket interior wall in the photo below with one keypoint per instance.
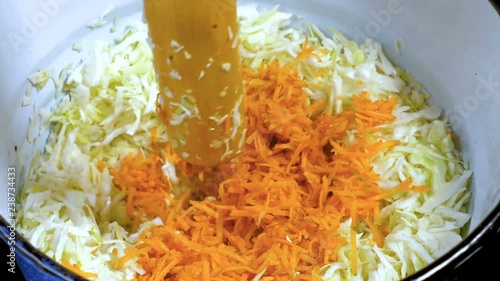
x,y
451,47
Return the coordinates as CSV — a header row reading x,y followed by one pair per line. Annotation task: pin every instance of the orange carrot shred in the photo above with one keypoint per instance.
x,y
100,166
297,179
77,270
377,235
354,252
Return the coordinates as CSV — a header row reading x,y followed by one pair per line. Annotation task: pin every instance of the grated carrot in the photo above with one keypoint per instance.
x,y
100,166
354,252
377,235
307,52
227,124
139,177
297,179
77,270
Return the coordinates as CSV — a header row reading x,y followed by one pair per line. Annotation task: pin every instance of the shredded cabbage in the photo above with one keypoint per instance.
x,y
71,210
39,79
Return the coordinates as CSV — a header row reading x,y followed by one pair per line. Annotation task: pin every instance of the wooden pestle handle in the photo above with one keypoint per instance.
x,y
197,62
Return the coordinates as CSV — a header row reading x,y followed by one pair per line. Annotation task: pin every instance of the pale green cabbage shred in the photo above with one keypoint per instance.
x,y
69,208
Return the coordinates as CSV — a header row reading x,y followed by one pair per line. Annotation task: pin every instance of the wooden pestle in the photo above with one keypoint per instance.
x,y
197,62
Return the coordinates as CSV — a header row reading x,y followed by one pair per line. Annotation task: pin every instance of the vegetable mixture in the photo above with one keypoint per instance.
x,y
347,173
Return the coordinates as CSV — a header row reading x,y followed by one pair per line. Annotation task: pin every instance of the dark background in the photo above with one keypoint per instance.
x,y
483,266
